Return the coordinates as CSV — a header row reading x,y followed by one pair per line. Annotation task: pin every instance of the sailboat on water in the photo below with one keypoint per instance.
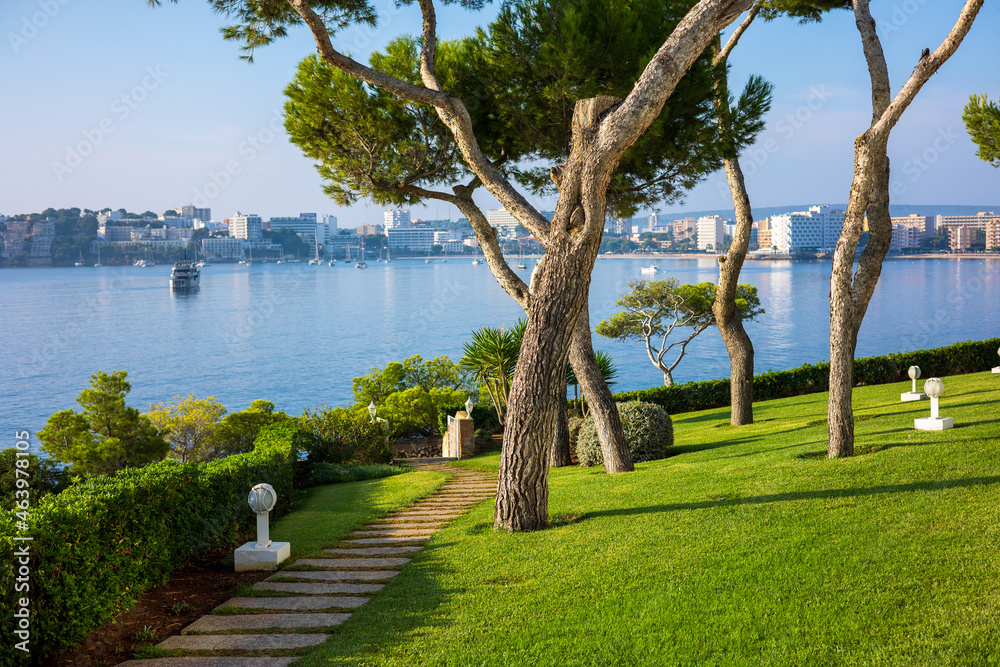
x,y
98,256
361,264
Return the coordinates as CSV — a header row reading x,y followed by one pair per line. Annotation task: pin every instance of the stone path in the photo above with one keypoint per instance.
x,y
262,631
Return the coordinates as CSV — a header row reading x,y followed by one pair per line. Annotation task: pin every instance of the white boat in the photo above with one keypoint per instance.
x,y
477,262
361,265
98,256
427,261
80,263
185,275
652,268
332,262
314,261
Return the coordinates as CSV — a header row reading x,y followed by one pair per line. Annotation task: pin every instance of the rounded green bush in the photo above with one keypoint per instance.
x,y
649,433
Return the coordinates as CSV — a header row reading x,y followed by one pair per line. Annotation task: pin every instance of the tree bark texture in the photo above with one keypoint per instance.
x,y
614,448
850,292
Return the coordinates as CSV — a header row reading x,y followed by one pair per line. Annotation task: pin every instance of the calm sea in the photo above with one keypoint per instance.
x,y
296,334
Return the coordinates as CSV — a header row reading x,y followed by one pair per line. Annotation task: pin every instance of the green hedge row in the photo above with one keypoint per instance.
x,y
98,545
968,357
320,474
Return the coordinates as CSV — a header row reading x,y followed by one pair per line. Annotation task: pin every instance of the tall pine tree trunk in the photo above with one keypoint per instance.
x,y
614,448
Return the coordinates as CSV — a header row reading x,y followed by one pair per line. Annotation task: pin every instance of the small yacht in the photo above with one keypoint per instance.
x,y
477,262
652,268
185,275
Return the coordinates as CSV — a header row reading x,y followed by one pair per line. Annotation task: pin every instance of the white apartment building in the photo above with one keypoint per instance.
x,y
223,247
331,223
925,222
305,226
397,219
906,235
413,240
977,221
815,230
505,223
711,232
249,227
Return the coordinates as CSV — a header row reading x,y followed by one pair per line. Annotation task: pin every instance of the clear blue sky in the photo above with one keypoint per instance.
x,y
163,104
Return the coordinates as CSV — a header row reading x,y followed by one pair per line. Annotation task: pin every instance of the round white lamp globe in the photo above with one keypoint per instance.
x,y
934,388
262,498
914,372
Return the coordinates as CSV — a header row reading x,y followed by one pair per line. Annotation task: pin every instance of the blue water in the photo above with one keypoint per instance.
x,y
296,334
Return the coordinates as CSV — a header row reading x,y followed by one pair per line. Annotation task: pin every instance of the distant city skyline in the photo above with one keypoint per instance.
x,y
181,120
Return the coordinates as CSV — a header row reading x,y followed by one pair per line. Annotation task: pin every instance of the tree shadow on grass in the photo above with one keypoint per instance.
x,y
938,485
408,606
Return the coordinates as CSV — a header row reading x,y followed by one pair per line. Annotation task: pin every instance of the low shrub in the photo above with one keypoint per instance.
x,y
102,542
968,357
649,433
319,474
342,436
575,423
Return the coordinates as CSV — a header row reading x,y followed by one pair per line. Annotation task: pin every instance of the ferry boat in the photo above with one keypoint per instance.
x,y
185,275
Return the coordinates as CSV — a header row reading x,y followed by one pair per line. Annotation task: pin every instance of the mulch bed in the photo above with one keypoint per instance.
x,y
193,591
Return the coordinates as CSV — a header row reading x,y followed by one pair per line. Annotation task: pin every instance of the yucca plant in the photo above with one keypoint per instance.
x,y
492,356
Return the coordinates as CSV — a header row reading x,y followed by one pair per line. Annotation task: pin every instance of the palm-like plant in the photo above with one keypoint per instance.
x,y
492,356
608,371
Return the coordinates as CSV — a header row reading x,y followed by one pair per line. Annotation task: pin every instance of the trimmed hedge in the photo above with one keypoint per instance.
x,y
319,474
101,543
957,359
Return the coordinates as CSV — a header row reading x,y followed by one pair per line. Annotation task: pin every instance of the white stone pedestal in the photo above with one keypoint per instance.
x,y
912,396
996,369
933,423
249,557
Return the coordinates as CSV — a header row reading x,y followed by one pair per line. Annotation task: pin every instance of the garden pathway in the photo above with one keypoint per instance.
x,y
265,631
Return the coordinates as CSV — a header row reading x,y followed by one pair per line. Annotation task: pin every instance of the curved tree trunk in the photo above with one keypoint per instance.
x,y
728,319
598,396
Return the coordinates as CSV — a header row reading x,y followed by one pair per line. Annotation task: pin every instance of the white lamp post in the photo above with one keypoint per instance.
x,y
372,410
468,406
997,368
914,395
262,554
934,388
262,500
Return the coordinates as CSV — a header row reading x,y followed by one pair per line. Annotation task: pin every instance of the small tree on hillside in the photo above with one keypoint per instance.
x,y
107,436
657,308
189,424
237,432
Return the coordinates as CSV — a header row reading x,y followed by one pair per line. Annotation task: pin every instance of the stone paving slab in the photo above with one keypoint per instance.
x,y
298,603
416,525
396,532
423,515
335,575
317,589
334,563
264,621
239,642
191,661
373,551
386,540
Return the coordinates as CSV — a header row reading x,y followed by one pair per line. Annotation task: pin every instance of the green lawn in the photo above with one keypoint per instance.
x,y
326,513
748,548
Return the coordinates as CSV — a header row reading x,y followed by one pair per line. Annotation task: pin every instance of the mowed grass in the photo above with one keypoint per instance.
x,y
747,548
326,513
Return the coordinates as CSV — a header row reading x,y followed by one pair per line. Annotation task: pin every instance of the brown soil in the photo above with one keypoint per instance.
x,y
193,591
